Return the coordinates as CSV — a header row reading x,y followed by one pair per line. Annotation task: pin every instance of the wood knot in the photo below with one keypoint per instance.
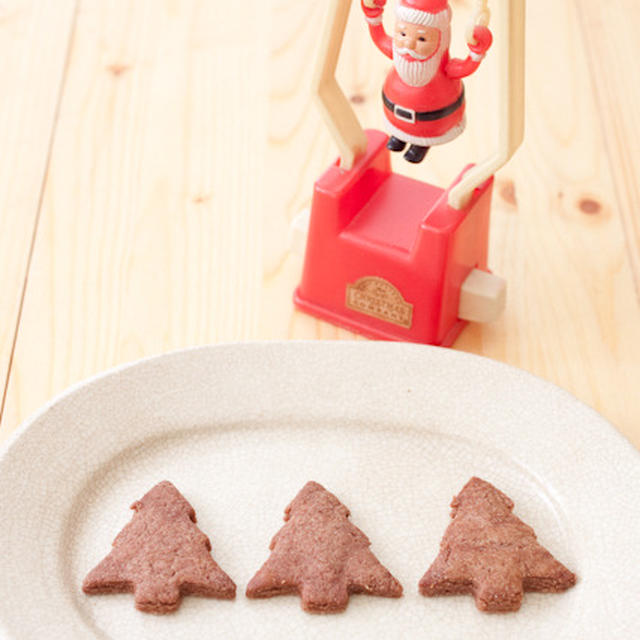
x,y
117,69
508,193
590,206
201,199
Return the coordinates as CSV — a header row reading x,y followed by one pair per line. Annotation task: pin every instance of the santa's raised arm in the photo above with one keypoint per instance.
x,y
423,94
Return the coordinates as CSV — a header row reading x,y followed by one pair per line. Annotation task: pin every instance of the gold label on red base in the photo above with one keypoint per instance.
x,y
378,298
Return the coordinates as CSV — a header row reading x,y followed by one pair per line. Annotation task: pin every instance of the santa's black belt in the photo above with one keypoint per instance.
x,y
409,115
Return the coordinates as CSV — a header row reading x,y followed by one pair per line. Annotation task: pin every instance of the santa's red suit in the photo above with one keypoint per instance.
x,y
431,113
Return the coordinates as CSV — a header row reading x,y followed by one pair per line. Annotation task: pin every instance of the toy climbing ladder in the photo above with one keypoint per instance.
x,y
391,257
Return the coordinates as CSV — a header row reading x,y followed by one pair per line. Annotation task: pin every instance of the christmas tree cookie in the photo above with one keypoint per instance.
x,y
320,555
160,556
488,552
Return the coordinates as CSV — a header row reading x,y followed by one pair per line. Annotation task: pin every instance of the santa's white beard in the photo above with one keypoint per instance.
x,y
416,73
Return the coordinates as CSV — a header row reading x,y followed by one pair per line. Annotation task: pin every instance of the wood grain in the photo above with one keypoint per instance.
x,y
185,148
572,317
34,38
152,214
612,62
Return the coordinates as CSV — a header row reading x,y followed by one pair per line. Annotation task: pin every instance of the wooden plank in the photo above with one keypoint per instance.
x,y
610,34
152,215
572,316
168,234
34,40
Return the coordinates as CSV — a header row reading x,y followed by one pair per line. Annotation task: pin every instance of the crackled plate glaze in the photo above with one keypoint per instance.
x,y
393,430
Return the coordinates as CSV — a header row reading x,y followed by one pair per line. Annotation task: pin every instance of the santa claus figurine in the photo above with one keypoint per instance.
x,y
423,94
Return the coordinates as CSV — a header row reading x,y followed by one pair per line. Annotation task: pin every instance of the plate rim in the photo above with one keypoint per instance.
x,y
35,416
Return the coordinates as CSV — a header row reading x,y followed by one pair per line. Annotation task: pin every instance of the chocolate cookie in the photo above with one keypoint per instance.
x,y
160,556
319,554
490,553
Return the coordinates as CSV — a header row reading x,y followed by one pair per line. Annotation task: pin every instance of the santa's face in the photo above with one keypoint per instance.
x,y
417,52
422,42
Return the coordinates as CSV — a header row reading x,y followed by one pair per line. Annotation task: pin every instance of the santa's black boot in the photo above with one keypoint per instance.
x,y
396,144
416,154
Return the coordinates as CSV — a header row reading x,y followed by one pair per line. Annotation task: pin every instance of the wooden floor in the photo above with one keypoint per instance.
x,y
153,153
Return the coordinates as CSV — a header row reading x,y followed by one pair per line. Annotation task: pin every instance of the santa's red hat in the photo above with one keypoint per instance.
x,y
428,13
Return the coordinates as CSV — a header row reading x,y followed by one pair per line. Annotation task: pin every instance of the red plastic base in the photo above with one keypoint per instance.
x,y
386,256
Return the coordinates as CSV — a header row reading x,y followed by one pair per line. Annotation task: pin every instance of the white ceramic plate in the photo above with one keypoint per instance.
x,y
393,430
